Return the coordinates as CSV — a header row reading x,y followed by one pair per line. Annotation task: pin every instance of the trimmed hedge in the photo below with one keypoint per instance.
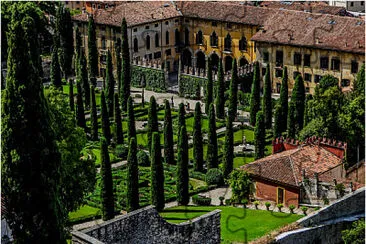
x,y
190,86
154,78
214,177
201,200
143,159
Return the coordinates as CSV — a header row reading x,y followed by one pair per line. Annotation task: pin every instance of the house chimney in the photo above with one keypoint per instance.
x,y
317,40
152,16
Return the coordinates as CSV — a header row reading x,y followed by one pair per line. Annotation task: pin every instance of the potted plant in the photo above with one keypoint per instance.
x,y
291,207
221,200
279,206
256,203
267,204
227,202
304,209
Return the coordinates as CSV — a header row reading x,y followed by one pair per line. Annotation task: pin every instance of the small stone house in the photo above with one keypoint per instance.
x,y
300,173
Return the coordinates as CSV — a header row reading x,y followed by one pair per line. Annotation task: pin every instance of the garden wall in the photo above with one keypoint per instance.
x,y
154,78
147,226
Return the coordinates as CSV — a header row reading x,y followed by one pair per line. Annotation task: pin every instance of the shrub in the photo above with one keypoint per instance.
x,y
340,188
201,200
142,158
245,202
267,204
214,177
280,206
227,202
356,234
221,200
304,209
256,203
325,200
317,208
121,151
292,207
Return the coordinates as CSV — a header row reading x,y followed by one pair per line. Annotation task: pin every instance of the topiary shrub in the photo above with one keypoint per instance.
x,y
142,158
228,202
292,207
256,203
201,200
280,206
245,202
304,210
214,177
121,151
267,204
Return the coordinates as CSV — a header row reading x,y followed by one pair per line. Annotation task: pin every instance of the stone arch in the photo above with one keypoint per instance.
x,y
243,61
215,61
187,57
228,63
201,59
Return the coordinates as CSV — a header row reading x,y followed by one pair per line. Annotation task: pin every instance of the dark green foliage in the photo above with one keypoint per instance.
x,y
241,185
105,119
259,136
71,95
220,96
291,122
190,86
121,151
197,139
209,87
126,69
154,78
326,82
55,71
117,48
359,83
80,114
308,109
157,174
82,76
214,177
182,168
109,80
143,159
92,49
152,123
356,234
132,177
181,116
228,157
201,201
168,135
93,115
298,98
255,95
118,133
78,44
267,99
233,98
131,119
277,121
107,182
283,102
212,140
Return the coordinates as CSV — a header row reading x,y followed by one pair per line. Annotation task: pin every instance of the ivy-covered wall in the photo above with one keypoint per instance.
x,y
154,78
190,86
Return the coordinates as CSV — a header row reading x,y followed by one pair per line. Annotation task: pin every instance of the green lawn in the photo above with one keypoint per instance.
x,y
238,136
204,124
239,161
96,152
237,224
84,212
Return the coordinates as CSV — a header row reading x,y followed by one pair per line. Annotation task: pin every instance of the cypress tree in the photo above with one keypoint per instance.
x,y
255,95
152,123
93,115
284,100
277,121
82,75
209,87
197,139
228,148
80,114
181,116
55,71
157,174
259,135
105,119
267,99
92,49
298,97
71,95
220,96
117,121
132,177
131,119
106,191
307,112
78,44
110,84
212,140
168,135
117,48
291,121
126,69
233,91
182,168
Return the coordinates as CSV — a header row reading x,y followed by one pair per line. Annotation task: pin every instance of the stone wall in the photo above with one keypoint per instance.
x,y
147,226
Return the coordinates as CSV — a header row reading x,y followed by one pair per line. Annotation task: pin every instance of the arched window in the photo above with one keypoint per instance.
x,y
135,45
199,38
177,37
167,37
243,44
148,42
227,43
186,36
214,40
157,40
103,43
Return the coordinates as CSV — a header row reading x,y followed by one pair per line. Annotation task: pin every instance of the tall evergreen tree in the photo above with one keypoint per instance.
x,y
110,84
168,135
255,95
55,71
181,116
93,115
71,95
308,109
30,160
291,121
157,174
233,91
259,136
277,121
117,49
220,96
197,139
78,45
80,113
284,101
152,123
209,87
117,121
132,177
267,99
212,140
182,168
106,129
131,119
228,148
106,191
298,97
82,75
92,49
126,68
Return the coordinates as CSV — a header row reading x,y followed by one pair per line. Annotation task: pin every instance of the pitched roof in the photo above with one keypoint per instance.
x,y
286,167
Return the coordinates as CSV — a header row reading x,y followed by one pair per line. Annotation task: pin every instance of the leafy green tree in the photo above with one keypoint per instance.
x,y
291,122
283,101
93,115
255,95
168,135
110,84
152,123
267,99
359,83
71,95
106,129
117,49
197,139
277,121
212,150
209,86
131,119
233,98
228,148
80,113
298,98
92,49
220,96
132,177
355,234
181,116
82,75
182,168
157,174
126,68
55,71
240,184
106,191
118,120
308,109
259,136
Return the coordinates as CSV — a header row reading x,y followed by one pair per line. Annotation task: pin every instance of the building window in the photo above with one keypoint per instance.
x,y
296,73
324,62
103,43
148,42
66,2
317,78
335,64
166,22
354,67
307,77
265,57
157,40
103,59
168,52
93,6
307,60
156,25
135,30
227,43
157,55
167,37
351,4
214,40
199,38
147,27
135,45
99,7
243,44
362,3
77,2
214,23
177,37
102,27
307,89
106,6
279,58
345,82
297,59
228,25
186,36
278,72
186,20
